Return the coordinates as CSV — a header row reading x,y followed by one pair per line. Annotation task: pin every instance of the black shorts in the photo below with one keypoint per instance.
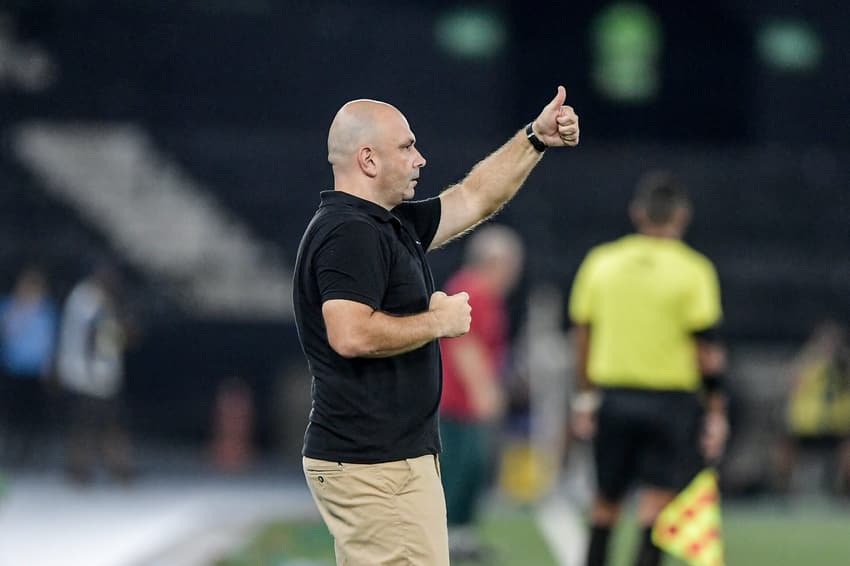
x,y
646,437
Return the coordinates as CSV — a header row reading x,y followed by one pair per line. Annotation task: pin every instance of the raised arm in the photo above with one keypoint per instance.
x,y
494,180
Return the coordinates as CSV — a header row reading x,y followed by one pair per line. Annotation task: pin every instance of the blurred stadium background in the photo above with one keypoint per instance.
x,y
186,140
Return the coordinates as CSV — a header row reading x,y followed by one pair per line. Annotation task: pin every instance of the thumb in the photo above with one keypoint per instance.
x,y
559,99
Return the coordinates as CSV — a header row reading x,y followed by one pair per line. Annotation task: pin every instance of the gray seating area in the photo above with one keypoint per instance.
x,y
36,228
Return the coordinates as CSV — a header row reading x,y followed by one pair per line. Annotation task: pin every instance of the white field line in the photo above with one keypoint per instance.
x,y
563,529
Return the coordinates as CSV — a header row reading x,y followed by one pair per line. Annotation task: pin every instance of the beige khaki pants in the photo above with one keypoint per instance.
x,y
385,514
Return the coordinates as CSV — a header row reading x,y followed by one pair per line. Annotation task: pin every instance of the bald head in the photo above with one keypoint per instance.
x,y
371,150
493,243
358,123
497,252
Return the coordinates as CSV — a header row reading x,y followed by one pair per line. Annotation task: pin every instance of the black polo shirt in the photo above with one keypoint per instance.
x,y
368,410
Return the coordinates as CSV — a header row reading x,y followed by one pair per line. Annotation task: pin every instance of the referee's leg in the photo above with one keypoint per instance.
x,y
670,459
614,460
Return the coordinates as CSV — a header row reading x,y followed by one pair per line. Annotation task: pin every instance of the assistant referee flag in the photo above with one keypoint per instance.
x,y
689,527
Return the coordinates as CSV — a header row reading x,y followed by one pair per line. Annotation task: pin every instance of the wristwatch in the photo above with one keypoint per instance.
x,y
533,139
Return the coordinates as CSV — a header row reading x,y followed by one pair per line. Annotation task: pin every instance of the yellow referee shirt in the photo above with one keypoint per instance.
x,y
643,299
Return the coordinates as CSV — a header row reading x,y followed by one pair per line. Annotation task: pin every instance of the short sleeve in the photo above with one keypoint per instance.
x,y
423,215
352,264
703,309
580,307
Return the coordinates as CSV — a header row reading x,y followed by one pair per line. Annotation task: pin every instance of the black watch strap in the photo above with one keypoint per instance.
x,y
533,139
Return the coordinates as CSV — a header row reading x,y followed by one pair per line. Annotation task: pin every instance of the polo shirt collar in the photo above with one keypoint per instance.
x,y
341,199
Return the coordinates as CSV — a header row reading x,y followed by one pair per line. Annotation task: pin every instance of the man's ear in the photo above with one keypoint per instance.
x,y
637,214
367,161
682,218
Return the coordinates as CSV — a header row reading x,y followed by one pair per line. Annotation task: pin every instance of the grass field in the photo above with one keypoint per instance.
x,y
810,534
513,537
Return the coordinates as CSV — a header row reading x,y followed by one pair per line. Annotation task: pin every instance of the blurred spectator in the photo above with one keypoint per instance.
x,y
473,398
91,372
23,65
233,426
817,413
27,340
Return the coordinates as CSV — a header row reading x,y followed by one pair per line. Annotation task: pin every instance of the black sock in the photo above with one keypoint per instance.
x,y
650,555
597,551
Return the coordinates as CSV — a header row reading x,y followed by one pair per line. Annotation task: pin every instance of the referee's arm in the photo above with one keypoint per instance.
x,y
582,351
711,356
586,400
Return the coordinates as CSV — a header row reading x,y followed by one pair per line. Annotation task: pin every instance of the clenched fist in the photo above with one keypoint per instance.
x,y
453,313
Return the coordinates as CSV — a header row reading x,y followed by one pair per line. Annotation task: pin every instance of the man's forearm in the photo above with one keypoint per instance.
x,y
489,185
715,394
716,402
711,358
385,335
356,330
582,352
586,399
496,179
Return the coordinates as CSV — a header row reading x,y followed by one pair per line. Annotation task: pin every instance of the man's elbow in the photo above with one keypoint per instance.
x,y
348,345
711,358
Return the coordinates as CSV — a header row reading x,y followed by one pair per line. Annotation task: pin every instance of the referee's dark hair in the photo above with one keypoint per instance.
x,y
660,194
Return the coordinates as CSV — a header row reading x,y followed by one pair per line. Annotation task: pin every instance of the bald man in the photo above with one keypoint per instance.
x,y
369,319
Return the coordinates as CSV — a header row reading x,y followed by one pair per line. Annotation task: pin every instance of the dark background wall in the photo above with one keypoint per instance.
x,y
241,94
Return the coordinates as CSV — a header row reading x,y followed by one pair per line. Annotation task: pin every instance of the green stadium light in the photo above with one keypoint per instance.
x,y
789,45
471,33
626,42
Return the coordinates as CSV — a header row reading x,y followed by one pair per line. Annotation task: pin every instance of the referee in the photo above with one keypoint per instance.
x,y
646,308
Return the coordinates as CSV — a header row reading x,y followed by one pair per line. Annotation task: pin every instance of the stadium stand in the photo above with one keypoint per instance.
x,y
238,99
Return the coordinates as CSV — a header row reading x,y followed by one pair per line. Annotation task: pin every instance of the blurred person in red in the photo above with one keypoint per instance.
x,y
473,397
232,449
27,341
90,367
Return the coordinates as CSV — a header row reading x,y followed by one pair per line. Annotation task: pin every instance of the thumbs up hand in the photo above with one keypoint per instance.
x,y
557,124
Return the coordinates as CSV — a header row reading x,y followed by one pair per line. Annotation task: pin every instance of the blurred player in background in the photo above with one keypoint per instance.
x,y
473,400
646,308
817,414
